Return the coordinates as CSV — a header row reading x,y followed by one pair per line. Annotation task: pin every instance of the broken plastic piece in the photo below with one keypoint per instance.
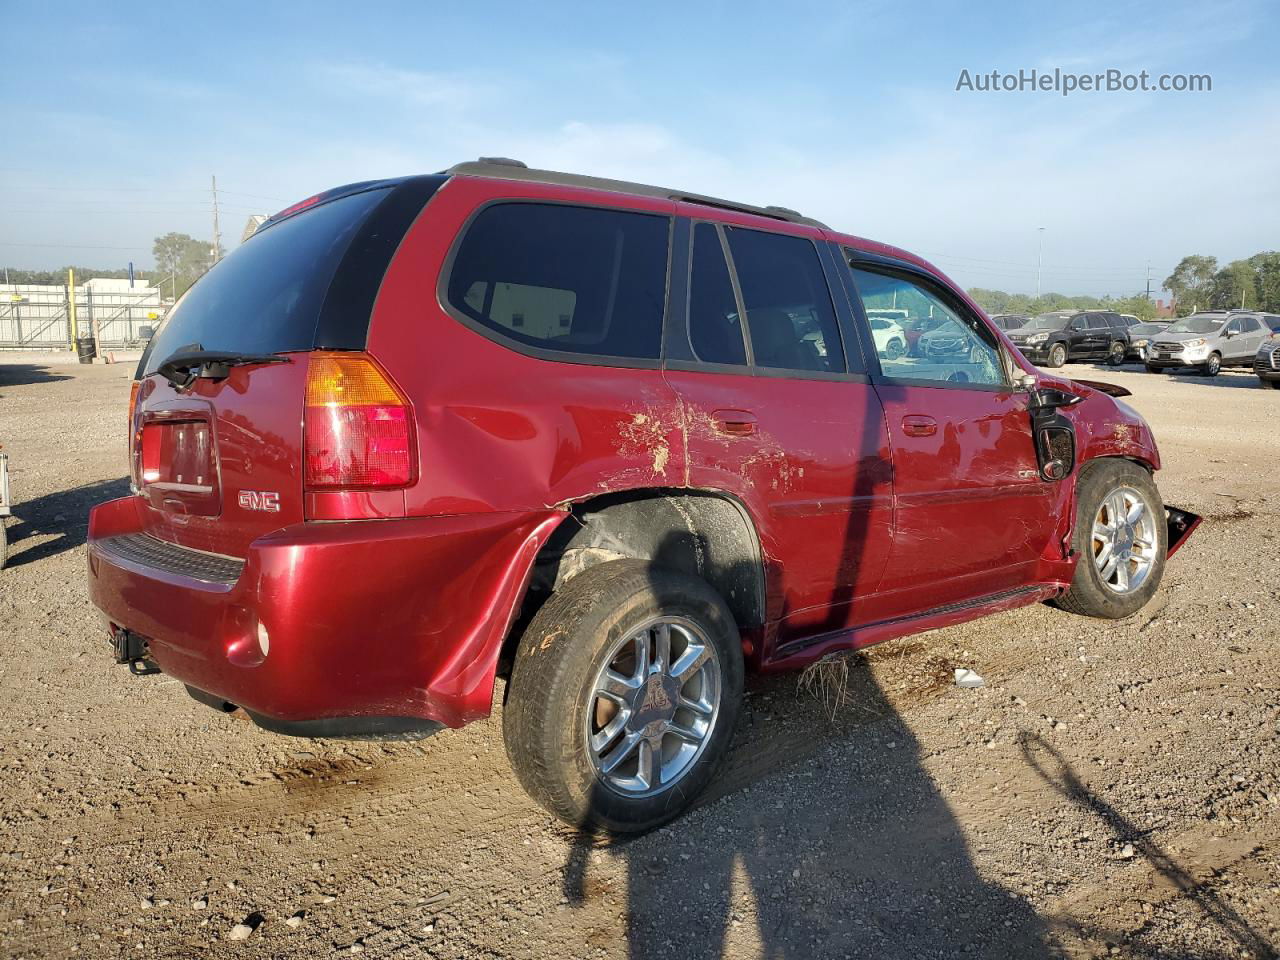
x,y
967,678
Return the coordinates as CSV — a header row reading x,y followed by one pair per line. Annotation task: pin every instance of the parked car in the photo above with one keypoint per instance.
x,y
916,327
635,443
947,342
1010,321
1266,362
1208,341
1140,337
1051,339
887,334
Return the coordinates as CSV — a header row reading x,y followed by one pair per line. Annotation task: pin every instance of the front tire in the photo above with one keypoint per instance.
x,y
623,696
1057,356
1151,369
1120,540
1115,356
1269,384
1211,367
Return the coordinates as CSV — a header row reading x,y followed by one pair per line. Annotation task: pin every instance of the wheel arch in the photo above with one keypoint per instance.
x,y
707,533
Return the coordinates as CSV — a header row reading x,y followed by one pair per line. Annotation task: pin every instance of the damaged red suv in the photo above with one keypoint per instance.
x,y
614,443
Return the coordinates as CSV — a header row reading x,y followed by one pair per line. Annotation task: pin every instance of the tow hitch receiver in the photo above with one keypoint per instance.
x,y
132,649
1181,525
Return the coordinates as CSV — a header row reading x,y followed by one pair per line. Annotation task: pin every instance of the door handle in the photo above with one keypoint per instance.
x,y
735,423
919,426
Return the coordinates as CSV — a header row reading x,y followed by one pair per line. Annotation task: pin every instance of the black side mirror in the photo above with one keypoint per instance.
x,y
1055,437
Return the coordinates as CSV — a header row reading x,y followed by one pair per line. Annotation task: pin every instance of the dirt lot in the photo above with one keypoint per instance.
x,y
1113,790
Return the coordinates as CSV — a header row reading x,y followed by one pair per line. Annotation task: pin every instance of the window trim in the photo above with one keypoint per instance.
x,y
891,266
544,353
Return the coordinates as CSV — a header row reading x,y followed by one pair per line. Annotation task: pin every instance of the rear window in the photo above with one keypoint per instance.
x,y
577,280
265,296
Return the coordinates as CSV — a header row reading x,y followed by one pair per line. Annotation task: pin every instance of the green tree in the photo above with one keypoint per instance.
x,y
182,257
1266,280
1234,286
1191,283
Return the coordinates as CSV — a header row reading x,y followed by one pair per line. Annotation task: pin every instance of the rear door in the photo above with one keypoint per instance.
x,y
779,412
218,462
972,515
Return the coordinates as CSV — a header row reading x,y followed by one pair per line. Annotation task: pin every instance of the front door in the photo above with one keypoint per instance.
x,y
972,515
774,416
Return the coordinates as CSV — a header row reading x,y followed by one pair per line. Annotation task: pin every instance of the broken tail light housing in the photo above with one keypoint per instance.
x,y
357,425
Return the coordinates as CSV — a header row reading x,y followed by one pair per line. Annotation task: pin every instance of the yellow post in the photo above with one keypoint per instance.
x,y
71,312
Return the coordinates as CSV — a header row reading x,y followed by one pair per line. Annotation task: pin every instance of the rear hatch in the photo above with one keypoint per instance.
x,y
217,448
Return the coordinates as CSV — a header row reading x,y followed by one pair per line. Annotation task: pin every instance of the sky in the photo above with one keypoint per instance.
x,y
118,117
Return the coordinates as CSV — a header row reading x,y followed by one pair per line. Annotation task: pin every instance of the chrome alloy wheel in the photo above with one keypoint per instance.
x,y
1124,540
653,706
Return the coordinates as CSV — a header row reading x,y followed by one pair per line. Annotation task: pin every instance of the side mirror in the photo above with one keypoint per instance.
x,y
1051,398
1025,383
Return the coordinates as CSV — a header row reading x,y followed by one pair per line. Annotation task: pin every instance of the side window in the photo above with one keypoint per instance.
x,y
790,319
715,329
1251,325
573,279
948,345
1097,321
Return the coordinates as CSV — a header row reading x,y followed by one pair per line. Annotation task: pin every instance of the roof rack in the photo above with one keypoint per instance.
x,y
506,169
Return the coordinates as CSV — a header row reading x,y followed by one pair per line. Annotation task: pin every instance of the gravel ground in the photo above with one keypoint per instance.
x,y
1114,789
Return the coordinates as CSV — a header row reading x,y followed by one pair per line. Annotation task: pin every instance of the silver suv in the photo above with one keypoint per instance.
x,y
1209,341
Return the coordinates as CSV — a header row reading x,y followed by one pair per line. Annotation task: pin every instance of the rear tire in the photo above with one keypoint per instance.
x,y
1138,545
557,721
1212,366
1057,356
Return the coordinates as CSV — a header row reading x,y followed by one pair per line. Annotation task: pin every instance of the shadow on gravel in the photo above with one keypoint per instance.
x,y
19,374
64,515
1057,773
1232,379
838,852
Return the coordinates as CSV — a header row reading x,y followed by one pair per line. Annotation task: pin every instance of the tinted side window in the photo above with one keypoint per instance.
x,y
572,279
715,329
790,319
952,346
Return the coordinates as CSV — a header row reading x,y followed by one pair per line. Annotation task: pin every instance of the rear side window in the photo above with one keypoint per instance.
x,y
790,319
265,296
715,329
579,280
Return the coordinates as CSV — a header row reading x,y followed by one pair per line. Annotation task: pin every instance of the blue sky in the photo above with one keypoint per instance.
x,y
119,114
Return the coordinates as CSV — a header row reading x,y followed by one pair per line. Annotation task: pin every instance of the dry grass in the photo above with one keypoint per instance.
x,y
827,681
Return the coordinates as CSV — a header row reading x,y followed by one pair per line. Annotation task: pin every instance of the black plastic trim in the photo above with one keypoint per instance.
x,y
347,309
351,728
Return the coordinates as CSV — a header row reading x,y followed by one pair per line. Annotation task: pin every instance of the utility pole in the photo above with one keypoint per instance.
x,y
1039,262
1148,281
217,238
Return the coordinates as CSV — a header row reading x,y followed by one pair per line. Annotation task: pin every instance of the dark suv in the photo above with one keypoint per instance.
x,y
614,443
1051,339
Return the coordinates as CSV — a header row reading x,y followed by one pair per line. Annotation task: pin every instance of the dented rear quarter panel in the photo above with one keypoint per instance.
x,y
500,430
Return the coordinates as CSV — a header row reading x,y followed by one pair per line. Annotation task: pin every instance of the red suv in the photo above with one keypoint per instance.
x,y
615,443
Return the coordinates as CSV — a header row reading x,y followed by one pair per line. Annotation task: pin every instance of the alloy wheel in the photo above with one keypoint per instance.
x,y
653,707
1124,540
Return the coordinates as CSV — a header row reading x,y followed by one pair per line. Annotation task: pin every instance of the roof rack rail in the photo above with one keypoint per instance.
x,y
503,168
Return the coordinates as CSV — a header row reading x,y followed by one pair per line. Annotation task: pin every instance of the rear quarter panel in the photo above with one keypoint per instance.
x,y
498,429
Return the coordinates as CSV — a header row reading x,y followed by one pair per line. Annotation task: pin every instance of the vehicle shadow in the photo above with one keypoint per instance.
x,y
1049,765
64,515
20,374
849,849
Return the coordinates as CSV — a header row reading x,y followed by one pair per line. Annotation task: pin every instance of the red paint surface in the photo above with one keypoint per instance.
x,y
880,511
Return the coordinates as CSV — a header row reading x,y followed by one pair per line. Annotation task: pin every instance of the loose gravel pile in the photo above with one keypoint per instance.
x,y
1113,789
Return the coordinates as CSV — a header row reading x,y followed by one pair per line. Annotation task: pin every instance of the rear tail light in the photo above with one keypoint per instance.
x,y
133,430
357,425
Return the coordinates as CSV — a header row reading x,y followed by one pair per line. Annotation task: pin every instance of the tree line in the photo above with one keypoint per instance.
x,y
180,261
1197,283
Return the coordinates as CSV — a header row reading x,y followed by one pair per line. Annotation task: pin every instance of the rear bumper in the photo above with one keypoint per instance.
x,y
390,619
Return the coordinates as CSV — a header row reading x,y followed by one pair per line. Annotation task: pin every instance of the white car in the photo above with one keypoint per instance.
x,y
889,337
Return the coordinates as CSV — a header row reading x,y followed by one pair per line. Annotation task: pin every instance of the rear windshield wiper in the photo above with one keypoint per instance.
x,y
193,362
